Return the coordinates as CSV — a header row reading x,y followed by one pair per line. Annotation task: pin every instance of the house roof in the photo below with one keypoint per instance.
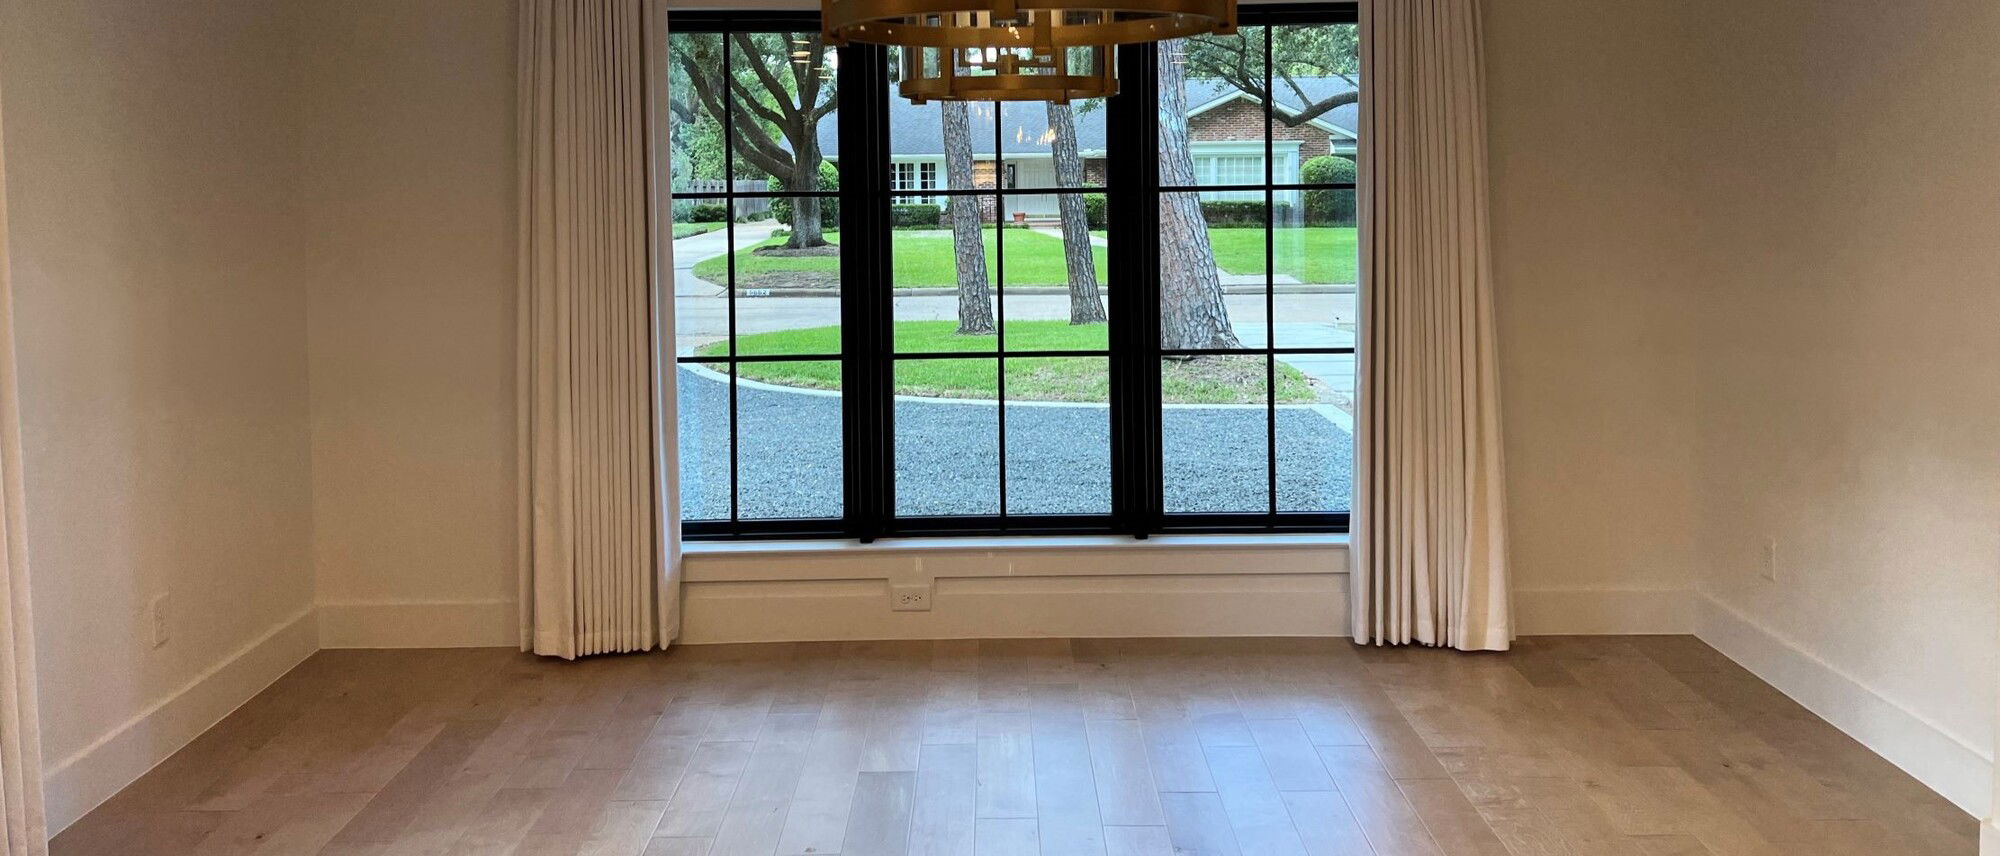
x,y
919,129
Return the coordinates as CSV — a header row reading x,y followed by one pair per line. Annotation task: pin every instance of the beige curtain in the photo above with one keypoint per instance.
x,y
26,828
600,549
1430,533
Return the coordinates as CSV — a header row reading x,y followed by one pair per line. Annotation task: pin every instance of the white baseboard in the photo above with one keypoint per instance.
x,y
420,624
1602,612
76,784
1989,839
1939,759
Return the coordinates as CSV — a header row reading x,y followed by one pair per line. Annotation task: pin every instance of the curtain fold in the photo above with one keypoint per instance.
x,y
23,825
599,540
1429,534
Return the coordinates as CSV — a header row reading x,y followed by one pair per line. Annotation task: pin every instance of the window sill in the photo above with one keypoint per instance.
x,y
1017,543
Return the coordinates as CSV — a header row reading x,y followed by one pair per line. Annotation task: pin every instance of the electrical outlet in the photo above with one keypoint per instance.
x,y
910,598
1770,569
158,615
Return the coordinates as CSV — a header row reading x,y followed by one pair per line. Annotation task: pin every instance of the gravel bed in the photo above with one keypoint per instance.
x,y
1058,458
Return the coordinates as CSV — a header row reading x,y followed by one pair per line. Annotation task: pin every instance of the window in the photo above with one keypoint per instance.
x,y
1113,316
906,176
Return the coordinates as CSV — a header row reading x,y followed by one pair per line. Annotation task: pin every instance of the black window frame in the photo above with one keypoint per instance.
x,y
868,356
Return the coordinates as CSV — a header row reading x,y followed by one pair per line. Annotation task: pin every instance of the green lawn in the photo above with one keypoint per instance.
x,y
1312,254
1315,254
1203,380
922,260
688,230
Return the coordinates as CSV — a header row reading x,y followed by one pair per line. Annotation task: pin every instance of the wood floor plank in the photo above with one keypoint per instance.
x,y
1388,819
941,818
1006,766
1065,790
1324,824
817,821
1138,841
1126,795
1566,746
1198,825
1289,755
1014,836
755,818
697,807
880,822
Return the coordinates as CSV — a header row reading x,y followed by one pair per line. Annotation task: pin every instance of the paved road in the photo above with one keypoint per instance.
x,y
948,456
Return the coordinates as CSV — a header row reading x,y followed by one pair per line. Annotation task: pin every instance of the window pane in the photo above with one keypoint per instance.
x,y
1317,260
1212,123
944,284
1053,145
1059,435
703,410
785,80
1211,273
701,301
1316,432
1318,105
917,134
1055,301
787,286
1214,437
790,440
947,437
695,124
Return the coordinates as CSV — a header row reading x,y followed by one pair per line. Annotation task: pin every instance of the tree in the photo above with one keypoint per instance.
x,y
1085,306
776,124
975,296
1297,53
1192,312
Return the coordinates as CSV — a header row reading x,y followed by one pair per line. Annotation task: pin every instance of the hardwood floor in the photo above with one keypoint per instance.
x,y
1600,746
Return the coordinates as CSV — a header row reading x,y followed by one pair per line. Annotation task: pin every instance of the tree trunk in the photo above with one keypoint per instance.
x,y
1085,307
805,223
1192,312
975,297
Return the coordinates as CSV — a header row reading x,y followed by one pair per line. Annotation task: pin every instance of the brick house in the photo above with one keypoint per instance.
x,y
1227,127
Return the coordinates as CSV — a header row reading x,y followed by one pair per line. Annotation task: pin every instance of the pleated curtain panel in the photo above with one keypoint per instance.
x,y
599,535
26,828
1430,529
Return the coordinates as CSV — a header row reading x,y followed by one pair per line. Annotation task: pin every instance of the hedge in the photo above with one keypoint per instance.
x,y
1328,207
1233,213
1094,211
708,212
921,214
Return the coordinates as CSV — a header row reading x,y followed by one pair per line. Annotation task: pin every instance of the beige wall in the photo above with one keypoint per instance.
x,y
161,332
1586,139
1847,263
409,182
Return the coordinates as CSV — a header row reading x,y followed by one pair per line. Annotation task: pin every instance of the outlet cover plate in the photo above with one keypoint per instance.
x,y
910,598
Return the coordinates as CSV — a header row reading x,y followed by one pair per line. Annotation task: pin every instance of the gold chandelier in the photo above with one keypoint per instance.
x,y
1016,50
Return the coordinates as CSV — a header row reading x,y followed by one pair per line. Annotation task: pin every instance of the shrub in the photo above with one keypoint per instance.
x,y
1328,207
707,212
829,209
1241,213
919,215
1094,211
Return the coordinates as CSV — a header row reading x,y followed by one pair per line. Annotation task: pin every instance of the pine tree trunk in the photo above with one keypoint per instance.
x,y
1085,307
1192,312
975,297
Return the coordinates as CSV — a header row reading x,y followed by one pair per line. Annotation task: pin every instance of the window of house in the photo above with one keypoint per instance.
x,y
1115,317
906,176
